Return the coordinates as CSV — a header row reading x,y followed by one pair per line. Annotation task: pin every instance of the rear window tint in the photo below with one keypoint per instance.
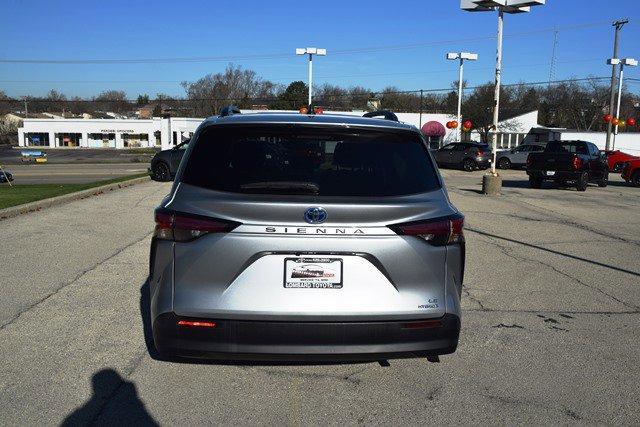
x,y
281,159
566,147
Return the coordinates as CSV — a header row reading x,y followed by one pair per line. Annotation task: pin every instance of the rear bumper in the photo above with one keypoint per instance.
x,y
564,175
264,340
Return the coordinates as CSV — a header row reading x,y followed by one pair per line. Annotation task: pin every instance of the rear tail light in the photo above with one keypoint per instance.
x,y
438,232
480,152
577,162
426,324
184,228
197,323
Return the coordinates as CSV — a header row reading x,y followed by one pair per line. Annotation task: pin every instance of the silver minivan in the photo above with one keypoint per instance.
x,y
306,237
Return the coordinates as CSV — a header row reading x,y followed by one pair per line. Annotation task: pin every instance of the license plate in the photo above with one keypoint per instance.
x,y
313,273
551,173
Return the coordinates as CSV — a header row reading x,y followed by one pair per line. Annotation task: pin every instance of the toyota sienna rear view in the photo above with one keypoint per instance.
x,y
303,237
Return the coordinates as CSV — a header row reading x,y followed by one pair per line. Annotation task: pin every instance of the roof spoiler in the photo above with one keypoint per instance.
x,y
388,115
229,110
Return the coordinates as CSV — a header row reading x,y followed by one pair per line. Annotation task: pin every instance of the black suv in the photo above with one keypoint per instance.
x,y
466,155
164,164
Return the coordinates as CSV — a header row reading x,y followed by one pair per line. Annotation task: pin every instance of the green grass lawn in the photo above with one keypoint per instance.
x,y
19,194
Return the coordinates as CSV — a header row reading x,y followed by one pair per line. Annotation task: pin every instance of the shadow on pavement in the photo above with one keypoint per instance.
x,y
115,400
600,264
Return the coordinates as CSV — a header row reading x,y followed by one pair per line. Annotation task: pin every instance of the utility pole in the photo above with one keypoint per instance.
x,y
552,68
26,112
614,74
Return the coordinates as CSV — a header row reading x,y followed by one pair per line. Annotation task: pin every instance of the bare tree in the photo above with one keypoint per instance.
x,y
233,86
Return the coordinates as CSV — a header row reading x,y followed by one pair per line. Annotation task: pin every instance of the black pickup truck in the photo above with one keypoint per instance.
x,y
575,162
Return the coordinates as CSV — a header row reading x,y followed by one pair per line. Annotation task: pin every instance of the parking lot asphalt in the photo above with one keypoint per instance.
x,y
550,325
72,173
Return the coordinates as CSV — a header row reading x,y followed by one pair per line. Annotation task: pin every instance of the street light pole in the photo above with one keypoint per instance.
x,y
496,92
618,25
310,78
614,62
462,56
310,51
491,183
459,118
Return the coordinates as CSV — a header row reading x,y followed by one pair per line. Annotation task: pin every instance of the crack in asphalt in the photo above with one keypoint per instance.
x,y
514,402
561,219
350,377
558,312
71,282
509,253
473,299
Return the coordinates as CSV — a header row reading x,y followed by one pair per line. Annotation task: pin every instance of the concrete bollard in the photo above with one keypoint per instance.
x,y
491,185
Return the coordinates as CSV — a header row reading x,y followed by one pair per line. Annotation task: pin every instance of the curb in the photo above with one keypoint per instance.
x,y
66,198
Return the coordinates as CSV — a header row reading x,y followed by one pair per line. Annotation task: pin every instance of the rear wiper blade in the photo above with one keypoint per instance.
x,y
283,186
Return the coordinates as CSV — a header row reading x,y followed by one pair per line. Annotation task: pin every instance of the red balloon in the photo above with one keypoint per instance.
x,y
448,125
454,125
631,121
607,118
615,122
467,124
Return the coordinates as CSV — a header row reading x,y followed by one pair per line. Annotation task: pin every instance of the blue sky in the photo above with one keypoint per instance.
x,y
413,37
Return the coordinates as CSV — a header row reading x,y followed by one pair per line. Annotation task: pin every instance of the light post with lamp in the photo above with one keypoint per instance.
x,y
492,183
311,51
462,56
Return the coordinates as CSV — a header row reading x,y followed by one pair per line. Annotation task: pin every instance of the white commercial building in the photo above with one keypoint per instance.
x,y
164,133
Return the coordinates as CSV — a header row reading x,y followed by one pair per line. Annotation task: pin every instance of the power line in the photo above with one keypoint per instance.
x,y
273,98
443,71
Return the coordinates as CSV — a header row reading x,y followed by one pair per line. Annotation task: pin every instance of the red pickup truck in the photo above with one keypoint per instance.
x,y
631,172
616,159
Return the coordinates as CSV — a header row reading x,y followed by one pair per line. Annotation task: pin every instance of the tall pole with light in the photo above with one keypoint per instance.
x,y
492,186
614,71
462,56
311,51
626,62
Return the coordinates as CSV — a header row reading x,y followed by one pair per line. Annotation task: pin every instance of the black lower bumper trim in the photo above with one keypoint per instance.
x,y
267,340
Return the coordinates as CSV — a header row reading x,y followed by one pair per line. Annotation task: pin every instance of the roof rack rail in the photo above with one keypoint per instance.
x,y
229,110
388,115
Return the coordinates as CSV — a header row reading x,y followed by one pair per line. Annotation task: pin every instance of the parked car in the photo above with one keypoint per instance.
x,y
164,164
516,157
575,162
469,156
5,176
631,172
616,159
357,257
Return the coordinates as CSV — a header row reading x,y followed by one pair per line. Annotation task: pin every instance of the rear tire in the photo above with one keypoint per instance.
x,y
635,179
604,181
161,172
582,182
469,165
504,163
535,182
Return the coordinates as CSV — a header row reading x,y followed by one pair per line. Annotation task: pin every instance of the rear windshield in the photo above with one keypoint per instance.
x,y
283,159
566,147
